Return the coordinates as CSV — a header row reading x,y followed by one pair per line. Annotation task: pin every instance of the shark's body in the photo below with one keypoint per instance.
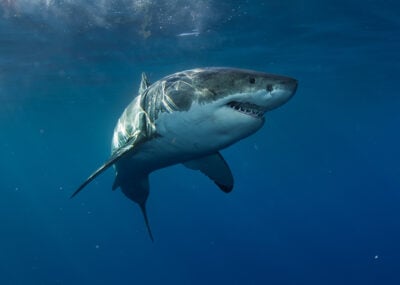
x,y
188,117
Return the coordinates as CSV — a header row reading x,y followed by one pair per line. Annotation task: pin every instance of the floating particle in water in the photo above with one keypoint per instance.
x,y
97,246
376,256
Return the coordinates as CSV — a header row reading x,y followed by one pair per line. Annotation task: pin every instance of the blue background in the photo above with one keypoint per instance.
x,y
317,192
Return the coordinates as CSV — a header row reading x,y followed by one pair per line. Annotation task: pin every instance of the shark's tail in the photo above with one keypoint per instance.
x,y
146,220
137,190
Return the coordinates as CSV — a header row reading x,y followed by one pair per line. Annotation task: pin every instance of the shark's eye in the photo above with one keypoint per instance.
x,y
252,80
269,87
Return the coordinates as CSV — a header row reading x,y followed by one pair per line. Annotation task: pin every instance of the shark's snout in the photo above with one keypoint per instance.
x,y
291,85
285,85
280,91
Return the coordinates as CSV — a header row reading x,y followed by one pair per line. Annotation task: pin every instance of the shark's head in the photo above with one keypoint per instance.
x,y
249,92
227,102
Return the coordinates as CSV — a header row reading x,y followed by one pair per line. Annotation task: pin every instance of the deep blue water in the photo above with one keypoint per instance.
x,y
317,192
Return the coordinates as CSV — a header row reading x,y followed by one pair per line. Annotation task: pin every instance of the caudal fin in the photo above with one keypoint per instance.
x,y
136,188
146,220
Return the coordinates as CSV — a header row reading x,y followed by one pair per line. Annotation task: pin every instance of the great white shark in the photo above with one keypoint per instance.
x,y
188,117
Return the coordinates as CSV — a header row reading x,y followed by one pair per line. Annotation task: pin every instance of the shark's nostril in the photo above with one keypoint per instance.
x,y
269,87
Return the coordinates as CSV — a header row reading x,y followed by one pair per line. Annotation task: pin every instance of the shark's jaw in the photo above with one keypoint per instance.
x,y
255,104
247,108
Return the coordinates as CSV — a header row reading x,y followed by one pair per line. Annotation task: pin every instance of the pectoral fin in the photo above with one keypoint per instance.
x,y
117,155
216,168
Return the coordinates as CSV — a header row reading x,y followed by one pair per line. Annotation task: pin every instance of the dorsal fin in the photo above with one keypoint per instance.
x,y
144,83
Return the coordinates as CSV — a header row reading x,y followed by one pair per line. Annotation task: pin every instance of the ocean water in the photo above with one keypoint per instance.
x,y
317,189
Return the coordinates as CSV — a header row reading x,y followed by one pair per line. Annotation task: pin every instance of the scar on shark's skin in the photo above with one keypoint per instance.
x,y
188,117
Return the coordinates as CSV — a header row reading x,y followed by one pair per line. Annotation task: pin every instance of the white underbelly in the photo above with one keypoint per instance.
x,y
183,136
162,152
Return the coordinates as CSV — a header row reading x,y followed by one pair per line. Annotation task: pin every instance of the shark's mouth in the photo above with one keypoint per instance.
x,y
248,108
